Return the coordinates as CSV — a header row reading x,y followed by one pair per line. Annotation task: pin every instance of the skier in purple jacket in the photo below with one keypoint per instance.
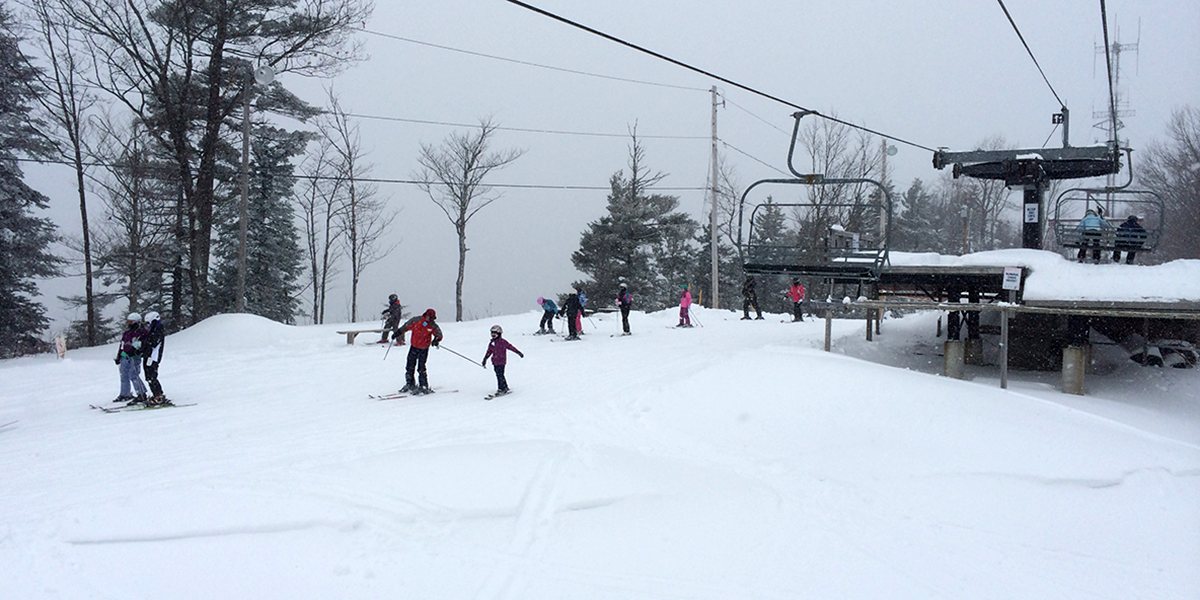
x,y
129,359
498,351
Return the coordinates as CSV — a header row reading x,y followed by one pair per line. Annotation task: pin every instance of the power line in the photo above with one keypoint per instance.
x,y
751,157
747,111
689,67
1035,61
525,130
524,186
530,64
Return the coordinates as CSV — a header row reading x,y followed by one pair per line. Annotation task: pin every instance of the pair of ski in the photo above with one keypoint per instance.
x,y
397,395
136,407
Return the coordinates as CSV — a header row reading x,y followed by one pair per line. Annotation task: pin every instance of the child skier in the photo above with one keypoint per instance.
x,y
685,303
152,350
425,333
498,351
392,314
796,295
572,309
129,354
548,311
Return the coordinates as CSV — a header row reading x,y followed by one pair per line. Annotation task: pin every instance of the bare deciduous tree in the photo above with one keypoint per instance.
x,y
318,200
363,218
452,174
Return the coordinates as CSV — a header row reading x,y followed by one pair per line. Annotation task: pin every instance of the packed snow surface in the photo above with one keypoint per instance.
x,y
1052,277
733,460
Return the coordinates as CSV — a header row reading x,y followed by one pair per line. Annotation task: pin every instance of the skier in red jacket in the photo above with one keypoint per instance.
x,y
425,332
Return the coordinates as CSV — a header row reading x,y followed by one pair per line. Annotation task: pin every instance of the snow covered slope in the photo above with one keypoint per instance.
x,y
734,460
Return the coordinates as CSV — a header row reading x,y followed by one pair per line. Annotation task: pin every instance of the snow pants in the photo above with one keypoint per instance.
x,y
798,311
501,382
547,323
131,369
152,378
684,317
625,318
416,361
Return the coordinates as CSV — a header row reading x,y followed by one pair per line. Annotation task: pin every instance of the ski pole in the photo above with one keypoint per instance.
x,y
693,316
459,355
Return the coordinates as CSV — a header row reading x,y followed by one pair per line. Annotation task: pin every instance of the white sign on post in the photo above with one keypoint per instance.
x,y
1031,213
1012,278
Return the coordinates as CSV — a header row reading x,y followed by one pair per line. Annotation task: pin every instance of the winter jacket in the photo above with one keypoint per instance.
x,y
1092,222
425,331
549,306
685,300
748,288
572,306
131,342
796,292
152,345
392,313
624,299
498,351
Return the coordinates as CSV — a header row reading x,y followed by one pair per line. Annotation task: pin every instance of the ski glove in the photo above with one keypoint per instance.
x,y
483,363
117,360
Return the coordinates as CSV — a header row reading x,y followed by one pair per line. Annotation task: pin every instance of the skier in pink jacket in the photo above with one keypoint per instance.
x,y
685,302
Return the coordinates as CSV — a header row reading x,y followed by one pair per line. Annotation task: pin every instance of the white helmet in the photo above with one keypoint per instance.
x,y
134,318
152,316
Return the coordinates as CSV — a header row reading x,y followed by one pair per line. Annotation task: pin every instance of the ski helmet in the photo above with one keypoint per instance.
x,y
622,284
393,298
541,300
152,316
497,330
432,314
133,318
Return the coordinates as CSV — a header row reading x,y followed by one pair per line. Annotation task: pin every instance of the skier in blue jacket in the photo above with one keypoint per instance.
x,y
549,308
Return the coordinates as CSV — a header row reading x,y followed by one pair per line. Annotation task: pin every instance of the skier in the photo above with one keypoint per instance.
x,y
796,295
624,302
579,317
750,298
1130,236
572,309
425,332
129,353
152,350
392,314
685,304
548,310
1090,228
498,351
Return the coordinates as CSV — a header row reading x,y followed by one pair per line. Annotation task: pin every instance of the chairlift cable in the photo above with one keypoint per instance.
x,y
695,69
1035,61
1112,97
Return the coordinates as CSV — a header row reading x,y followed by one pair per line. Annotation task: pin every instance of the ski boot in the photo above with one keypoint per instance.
x,y
124,399
408,389
421,391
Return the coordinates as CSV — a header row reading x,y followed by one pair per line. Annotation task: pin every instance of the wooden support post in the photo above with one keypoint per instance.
x,y
828,328
1004,349
953,364
878,319
1073,369
350,335
870,314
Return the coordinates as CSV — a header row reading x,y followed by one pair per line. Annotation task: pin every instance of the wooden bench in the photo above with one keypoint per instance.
x,y
350,335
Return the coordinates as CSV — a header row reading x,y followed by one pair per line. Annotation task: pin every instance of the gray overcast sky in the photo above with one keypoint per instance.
x,y
946,73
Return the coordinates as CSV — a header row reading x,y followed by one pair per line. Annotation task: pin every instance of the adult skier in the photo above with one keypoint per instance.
x,y
624,302
392,315
129,360
425,332
548,310
152,351
796,295
750,298
498,351
572,309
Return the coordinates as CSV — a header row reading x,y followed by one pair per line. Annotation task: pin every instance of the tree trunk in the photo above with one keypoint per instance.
x,y
462,267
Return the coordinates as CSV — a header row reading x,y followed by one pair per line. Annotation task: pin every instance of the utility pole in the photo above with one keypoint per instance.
x,y
239,299
716,279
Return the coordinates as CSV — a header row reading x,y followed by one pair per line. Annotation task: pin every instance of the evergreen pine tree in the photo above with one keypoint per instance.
x,y
274,260
24,238
642,240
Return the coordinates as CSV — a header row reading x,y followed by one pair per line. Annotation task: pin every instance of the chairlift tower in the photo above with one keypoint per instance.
x,y
1109,119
